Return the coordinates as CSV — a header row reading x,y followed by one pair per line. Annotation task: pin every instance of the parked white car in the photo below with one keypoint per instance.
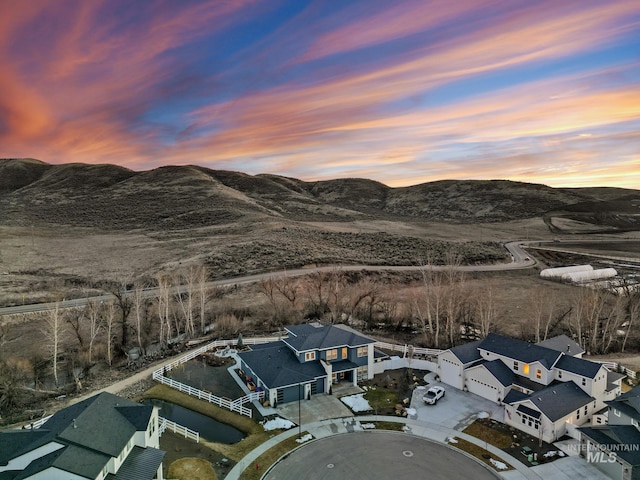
x,y
433,395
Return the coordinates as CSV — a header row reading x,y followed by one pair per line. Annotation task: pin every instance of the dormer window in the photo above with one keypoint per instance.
x,y
363,351
308,356
332,354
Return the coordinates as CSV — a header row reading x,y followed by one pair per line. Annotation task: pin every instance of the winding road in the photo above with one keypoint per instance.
x,y
520,260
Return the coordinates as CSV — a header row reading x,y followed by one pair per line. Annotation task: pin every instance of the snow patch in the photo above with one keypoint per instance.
x,y
367,426
483,415
304,438
356,403
411,411
498,465
278,423
452,440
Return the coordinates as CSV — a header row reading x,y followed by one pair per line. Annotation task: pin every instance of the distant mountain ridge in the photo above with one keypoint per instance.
x,y
176,197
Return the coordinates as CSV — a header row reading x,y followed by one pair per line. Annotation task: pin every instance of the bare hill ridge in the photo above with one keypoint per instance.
x,y
178,197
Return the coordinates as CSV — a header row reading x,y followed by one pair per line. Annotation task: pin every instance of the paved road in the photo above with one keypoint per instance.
x,y
519,257
367,455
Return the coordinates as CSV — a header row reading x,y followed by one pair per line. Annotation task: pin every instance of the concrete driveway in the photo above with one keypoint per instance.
x,y
456,409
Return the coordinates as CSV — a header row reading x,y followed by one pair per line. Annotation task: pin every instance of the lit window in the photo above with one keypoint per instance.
x,y
332,354
363,351
538,373
345,351
525,368
309,356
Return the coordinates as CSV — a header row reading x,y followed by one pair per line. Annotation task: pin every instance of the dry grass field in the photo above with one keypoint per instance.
x,y
66,229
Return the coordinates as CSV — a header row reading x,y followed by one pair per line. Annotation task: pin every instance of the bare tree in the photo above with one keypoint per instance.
x,y
119,290
75,319
203,294
544,304
95,324
485,307
110,322
163,305
429,305
633,312
188,278
53,334
139,310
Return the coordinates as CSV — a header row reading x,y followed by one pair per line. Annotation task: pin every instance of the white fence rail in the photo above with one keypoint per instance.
x,y
179,429
613,366
409,350
236,405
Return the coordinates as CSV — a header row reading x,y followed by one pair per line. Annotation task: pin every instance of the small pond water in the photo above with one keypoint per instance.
x,y
208,428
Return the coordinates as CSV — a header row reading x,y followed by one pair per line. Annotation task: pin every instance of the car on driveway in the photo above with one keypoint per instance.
x,y
433,395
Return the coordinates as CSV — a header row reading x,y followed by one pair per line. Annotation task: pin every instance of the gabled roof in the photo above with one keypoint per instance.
x,y
628,403
467,353
514,396
519,350
98,423
621,439
579,366
71,458
277,366
307,337
558,401
141,464
563,344
91,432
500,371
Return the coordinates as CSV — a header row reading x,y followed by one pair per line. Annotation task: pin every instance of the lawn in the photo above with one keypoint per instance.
x,y
489,435
268,458
191,469
478,452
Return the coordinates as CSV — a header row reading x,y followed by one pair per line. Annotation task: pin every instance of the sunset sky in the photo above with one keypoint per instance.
x,y
402,92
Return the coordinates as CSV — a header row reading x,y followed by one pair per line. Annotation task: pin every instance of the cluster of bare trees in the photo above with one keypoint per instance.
x,y
602,321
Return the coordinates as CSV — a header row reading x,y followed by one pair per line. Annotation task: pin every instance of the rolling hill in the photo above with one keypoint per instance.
x,y
178,197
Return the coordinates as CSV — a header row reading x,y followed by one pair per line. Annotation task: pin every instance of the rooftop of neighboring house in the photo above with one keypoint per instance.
x,y
90,432
519,350
628,403
468,352
307,337
555,401
621,439
564,344
277,366
579,366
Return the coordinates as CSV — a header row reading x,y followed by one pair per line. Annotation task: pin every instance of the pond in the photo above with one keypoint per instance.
x,y
208,428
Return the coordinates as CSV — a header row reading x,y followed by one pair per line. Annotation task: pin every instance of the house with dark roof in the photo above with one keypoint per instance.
x,y
104,437
563,390
615,448
308,361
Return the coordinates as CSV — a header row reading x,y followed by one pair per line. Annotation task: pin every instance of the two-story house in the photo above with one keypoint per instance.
x,y
615,448
543,386
308,361
104,437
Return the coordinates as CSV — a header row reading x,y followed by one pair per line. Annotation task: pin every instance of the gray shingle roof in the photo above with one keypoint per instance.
x,y
500,371
563,344
307,337
519,350
628,403
579,366
141,464
467,353
277,366
92,431
559,400
623,439
514,396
